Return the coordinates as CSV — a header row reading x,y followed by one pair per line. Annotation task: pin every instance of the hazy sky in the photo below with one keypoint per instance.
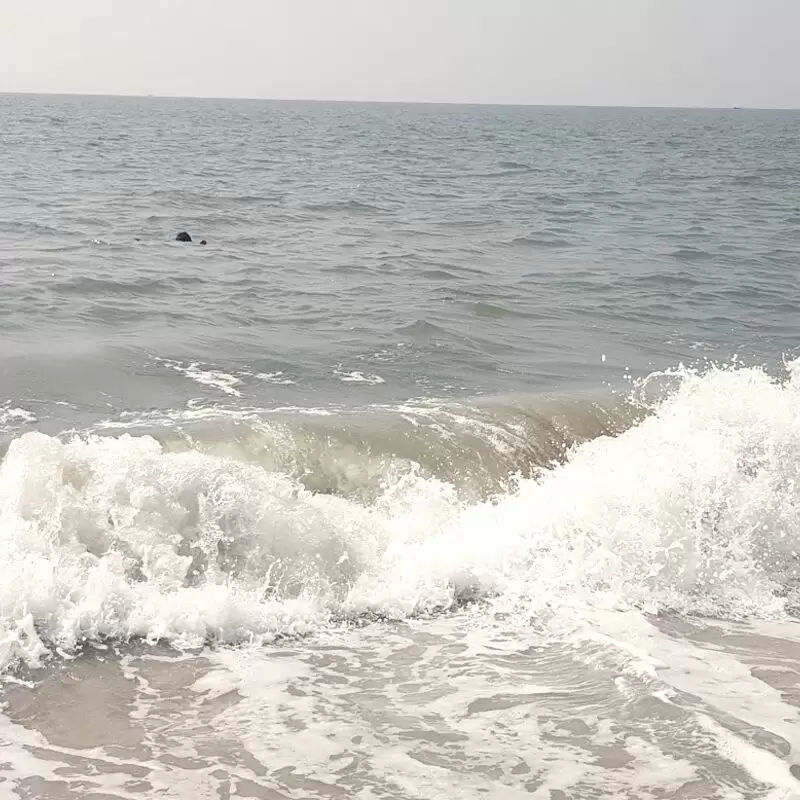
x,y
615,52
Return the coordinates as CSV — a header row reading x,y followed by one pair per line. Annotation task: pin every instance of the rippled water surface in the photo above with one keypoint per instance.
x,y
462,461
441,250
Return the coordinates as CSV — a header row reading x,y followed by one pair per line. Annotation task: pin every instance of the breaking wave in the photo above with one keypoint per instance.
x,y
273,530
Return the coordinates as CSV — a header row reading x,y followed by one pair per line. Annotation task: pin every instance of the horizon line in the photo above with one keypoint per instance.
x,y
495,104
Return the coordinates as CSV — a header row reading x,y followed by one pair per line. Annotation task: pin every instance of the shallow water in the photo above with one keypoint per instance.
x,y
398,488
433,709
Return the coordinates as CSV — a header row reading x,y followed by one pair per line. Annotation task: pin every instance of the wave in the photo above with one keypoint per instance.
x,y
545,240
498,173
12,418
483,308
351,206
278,378
693,508
213,378
503,169
515,165
359,377
476,448
438,274
423,329
93,286
690,254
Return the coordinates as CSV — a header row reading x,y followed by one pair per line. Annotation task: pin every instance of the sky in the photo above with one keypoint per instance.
x,y
717,53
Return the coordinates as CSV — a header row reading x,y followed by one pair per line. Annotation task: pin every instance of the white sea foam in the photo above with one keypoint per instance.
x,y
12,418
359,377
696,509
205,376
278,378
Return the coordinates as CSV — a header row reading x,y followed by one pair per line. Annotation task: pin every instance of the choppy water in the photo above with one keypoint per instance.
x,y
397,488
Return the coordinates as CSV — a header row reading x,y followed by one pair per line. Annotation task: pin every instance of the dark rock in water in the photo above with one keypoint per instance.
x,y
203,241
183,237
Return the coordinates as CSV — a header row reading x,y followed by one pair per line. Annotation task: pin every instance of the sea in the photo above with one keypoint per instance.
x,y
461,461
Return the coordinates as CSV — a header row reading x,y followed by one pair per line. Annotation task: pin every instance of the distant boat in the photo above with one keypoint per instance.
x,y
737,108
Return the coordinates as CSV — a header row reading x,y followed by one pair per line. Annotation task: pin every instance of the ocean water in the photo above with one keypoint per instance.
x,y
463,461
